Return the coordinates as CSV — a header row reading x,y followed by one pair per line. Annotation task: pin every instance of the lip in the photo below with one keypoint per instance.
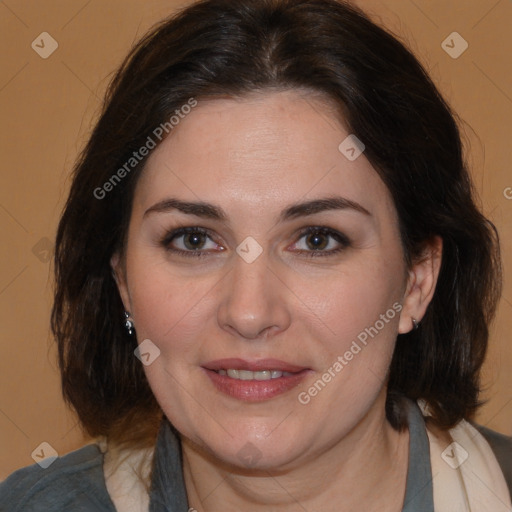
x,y
255,390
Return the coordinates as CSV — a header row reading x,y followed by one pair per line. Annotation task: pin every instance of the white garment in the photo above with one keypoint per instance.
x,y
466,475
124,486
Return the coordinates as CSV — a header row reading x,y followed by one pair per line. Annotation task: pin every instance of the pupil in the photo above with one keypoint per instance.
x,y
196,240
315,238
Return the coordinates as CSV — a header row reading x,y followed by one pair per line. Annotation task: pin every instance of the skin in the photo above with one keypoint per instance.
x,y
253,157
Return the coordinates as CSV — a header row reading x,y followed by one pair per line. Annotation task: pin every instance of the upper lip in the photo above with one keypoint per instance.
x,y
236,363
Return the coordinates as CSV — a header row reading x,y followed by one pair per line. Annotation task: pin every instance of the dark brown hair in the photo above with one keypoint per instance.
x,y
233,47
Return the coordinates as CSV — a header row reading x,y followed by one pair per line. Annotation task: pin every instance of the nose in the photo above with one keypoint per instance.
x,y
255,300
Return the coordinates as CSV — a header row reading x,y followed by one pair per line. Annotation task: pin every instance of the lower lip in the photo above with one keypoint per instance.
x,y
255,390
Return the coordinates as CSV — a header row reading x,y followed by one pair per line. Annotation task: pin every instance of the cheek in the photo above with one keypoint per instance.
x,y
361,311
166,305
360,300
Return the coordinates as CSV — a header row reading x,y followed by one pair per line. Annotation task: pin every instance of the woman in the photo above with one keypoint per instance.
x,y
273,284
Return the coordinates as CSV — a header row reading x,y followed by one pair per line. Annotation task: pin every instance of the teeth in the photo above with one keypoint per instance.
x,y
264,375
245,375
248,375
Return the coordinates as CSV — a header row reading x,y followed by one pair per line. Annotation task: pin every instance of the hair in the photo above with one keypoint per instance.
x,y
229,48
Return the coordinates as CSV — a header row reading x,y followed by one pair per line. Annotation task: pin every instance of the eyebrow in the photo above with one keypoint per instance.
x,y
210,211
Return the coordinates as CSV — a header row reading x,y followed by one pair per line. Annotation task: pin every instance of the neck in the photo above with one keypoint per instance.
x,y
365,470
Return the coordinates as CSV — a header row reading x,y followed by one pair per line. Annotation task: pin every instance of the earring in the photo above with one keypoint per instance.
x,y
415,324
128,323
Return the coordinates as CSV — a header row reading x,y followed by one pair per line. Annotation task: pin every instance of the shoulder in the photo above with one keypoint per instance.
x,y
74,481
502,447
498,441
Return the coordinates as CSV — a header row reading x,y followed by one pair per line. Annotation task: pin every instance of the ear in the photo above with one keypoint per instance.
x,y
421,284
119,273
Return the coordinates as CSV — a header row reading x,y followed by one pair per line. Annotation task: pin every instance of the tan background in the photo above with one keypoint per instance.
x,y
48,106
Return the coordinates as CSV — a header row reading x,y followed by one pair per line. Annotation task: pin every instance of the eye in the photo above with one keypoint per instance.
x,y
322,241
188,241
192,241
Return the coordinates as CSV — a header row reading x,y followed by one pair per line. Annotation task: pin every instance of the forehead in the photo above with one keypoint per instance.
x,y
259,151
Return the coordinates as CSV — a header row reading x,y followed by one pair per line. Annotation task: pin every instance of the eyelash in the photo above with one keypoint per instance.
x,y
312,230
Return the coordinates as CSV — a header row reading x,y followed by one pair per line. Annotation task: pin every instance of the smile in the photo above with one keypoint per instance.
x,y
254,381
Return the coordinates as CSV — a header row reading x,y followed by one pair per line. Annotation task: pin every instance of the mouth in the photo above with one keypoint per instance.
x,y
254,380
259,375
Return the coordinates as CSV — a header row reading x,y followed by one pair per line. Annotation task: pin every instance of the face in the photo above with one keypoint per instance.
x,y
256,245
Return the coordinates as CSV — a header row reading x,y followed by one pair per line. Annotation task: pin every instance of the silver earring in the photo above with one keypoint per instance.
x,y
128,323
415,324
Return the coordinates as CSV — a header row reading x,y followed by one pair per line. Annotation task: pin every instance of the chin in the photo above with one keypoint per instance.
x,y
251,451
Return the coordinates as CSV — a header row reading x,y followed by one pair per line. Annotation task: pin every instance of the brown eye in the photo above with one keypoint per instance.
x,y
193,241
317,239
190,241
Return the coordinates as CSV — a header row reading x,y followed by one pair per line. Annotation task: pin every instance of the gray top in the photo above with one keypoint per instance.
x,y
76,481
